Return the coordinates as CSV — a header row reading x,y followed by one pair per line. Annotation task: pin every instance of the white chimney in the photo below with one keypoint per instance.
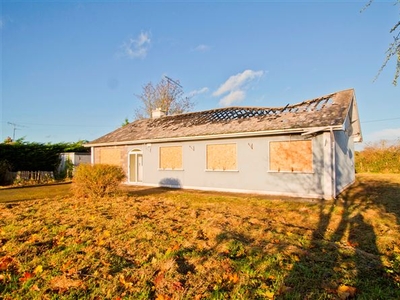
x,y
157,113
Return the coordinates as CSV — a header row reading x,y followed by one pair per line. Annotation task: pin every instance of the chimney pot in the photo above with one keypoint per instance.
x,y
157,113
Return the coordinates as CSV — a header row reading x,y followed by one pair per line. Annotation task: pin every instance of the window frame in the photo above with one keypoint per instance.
x,y
309,162
207,169
160,168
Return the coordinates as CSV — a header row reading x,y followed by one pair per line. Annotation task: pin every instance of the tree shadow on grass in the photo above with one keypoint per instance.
x,y
166,185
343,258
383,194
141,191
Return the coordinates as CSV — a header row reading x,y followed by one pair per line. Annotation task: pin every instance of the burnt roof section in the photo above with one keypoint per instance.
x,y
329,110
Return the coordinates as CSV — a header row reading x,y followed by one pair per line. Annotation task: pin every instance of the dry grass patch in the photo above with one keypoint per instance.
x,y
172,244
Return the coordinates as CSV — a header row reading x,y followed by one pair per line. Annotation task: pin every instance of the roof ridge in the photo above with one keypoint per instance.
x,y
270,108
242,112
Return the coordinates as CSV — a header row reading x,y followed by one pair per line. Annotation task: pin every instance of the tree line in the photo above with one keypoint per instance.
x,y
380,157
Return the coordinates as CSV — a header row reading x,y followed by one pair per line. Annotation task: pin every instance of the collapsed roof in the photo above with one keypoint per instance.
x,y
330,112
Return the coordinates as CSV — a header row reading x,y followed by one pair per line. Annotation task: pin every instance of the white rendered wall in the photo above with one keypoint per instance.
x,y
252,174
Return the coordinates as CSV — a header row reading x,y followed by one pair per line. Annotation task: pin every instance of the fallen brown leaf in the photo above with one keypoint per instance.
x,y
158,279
178,286
26,276
35,288
62,283
346,292
163,297
6,262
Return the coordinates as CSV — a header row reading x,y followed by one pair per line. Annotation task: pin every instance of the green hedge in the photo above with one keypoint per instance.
x,y
24,156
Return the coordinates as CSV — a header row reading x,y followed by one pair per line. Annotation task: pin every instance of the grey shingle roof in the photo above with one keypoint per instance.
x,y
325,111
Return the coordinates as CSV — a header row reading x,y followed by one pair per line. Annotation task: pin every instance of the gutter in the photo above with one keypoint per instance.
x,y
302,131
333,163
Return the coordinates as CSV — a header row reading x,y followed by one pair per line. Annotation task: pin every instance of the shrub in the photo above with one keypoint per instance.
x,y
96,181
5,169
382,157
66,171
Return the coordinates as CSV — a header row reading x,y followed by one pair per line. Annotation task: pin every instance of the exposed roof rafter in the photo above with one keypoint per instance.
x,y
323,112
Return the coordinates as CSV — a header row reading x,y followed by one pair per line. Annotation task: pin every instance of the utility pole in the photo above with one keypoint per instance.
x,y
15,127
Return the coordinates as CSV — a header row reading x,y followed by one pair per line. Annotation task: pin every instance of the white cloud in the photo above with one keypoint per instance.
x,y
236,87
137,48
202,48
233,97
5,21
385,134
237,81
198,92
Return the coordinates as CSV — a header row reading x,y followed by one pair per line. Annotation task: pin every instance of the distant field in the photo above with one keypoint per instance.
x,y
175,244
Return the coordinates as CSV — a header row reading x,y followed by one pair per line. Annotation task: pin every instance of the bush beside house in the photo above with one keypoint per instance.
x,y
96,181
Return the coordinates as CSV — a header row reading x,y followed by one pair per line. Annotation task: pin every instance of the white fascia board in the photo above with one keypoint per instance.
x,y
202,137
356,135
355,122
314,130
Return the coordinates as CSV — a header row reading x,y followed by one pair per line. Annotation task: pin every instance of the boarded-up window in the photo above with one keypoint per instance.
x,y
110,156
171,157
291,156
221,157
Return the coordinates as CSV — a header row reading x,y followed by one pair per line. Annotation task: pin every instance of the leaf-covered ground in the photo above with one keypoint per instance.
x,y
174,244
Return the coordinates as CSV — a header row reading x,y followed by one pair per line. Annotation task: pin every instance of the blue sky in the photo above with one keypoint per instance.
x,y
71,70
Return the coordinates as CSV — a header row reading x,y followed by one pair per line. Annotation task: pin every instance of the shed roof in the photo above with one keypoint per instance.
x,y
323,113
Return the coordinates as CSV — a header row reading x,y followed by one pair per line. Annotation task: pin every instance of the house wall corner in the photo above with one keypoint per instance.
x,y
328,168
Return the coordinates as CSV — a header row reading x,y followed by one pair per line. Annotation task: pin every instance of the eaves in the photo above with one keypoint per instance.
x,y
303,131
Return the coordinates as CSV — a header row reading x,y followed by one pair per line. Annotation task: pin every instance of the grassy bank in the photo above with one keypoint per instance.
x,y
169,244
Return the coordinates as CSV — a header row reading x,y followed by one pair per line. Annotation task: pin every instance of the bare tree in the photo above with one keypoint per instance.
x,y
393,49
166,95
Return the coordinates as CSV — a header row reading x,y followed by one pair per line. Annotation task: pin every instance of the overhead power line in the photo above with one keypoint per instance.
x,y
381,120
60,125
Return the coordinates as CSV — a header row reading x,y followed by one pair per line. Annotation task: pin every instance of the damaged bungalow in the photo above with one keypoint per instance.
x,y
300,150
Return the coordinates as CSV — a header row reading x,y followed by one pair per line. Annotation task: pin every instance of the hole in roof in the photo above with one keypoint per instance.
x,y
322,103
241,113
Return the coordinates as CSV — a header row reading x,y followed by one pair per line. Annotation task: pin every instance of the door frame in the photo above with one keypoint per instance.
x,y
137,155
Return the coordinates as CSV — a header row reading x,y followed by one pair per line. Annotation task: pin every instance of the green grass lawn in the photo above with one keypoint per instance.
x,y
175,244
52,191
